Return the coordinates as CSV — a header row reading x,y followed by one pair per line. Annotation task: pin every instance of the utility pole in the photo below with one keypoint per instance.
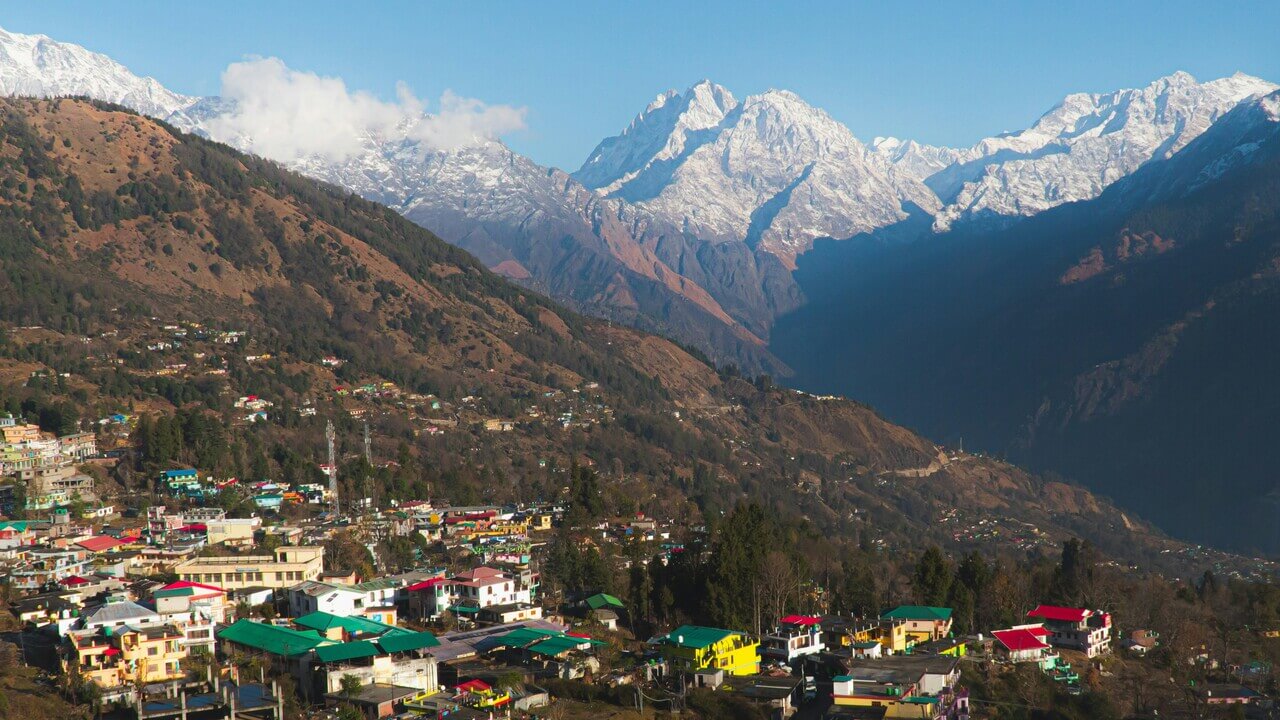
x,y
368,460
333,469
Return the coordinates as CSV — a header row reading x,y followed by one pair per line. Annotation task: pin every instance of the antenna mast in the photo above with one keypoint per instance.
x,y
333,469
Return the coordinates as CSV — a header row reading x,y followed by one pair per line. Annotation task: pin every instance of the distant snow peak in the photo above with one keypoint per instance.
x,y
771,170
1084,144
38,66
659,133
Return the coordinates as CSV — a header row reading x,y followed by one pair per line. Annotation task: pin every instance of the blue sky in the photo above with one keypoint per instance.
x,y
939,72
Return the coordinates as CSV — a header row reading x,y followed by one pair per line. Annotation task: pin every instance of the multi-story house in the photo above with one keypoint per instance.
x,y
288,566
470,592
889,634
127,656
795,637
375,599
195,609
385,655
1088,631
923,623
692,648
48,565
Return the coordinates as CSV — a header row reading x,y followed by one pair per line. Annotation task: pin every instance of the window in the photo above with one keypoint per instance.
x,y
152,650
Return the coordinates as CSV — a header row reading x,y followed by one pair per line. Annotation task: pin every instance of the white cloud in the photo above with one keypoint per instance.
x,y
287,114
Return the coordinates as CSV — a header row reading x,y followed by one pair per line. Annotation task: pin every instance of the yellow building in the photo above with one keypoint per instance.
x,y
891,635
289,566
690,648
924,623
123,656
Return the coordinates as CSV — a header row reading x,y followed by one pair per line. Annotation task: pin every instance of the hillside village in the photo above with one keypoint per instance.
x,y
293,600
270,451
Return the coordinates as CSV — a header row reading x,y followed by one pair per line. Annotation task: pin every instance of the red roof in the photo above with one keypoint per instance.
x,y
480,573
578,634
1060,614
100,543
426,584
1019,639
111,651
1039,630
188,584
73,581
474,685
799,620
194,528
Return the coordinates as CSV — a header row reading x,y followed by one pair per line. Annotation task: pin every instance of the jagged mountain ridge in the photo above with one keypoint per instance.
x,y
1082,146
119,221
772,171
38,66
1123,341
701,206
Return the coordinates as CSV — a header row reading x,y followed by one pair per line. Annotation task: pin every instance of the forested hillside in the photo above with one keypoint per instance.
x,y
154,273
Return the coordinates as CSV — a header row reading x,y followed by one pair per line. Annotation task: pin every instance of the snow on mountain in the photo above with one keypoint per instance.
x,y
1248,133
693,214
916,160
1085,143
39,66
670,124
771,171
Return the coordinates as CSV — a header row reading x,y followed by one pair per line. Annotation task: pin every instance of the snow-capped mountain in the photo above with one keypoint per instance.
x,y
915,159
1247,134
691,218
771,171
1082,145
39,66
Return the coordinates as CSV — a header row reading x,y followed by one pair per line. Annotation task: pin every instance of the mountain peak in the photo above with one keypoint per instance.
x,y
1176,78
40,66
661,132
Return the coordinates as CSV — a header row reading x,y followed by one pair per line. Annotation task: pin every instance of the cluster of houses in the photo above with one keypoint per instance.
x,y
44,464
92,590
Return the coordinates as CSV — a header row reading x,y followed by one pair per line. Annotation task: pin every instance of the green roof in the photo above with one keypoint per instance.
x,y
696,636
918,612
408,641
347,651
18,525
554,646
324,622
380,584
603,600
520,637
271,638
175,592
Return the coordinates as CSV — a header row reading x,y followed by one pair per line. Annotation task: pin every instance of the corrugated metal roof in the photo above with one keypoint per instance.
x,y
347,651
114,613
918,612
271,638
696,636
324,621
408,641
552,647
600,600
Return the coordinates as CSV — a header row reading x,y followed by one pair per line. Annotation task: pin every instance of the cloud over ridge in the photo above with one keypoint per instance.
x,y
288,114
